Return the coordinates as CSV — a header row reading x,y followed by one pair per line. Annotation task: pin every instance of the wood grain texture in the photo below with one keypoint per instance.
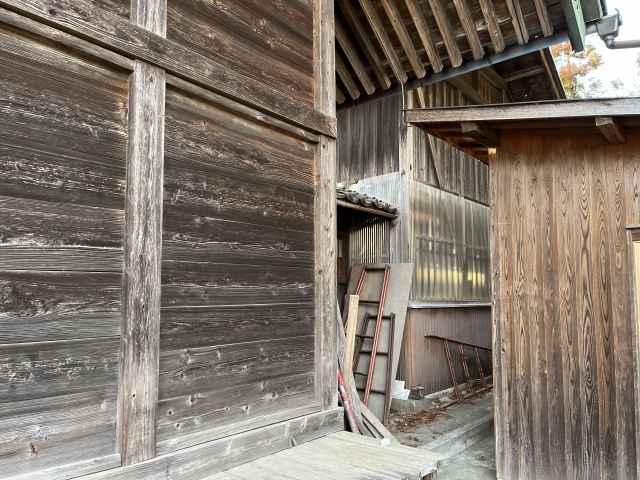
x,y
573,413
150,14
142,253
220,73
208,458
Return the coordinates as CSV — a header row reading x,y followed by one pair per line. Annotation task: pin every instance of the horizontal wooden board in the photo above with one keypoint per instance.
x,y
39,434
202,461
195,284
79,259
198,417
253,40
64,124
208,138
38,370
205,369
25,222
108,29
46,306
204,326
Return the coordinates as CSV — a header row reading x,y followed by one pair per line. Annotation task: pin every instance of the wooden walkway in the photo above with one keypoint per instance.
x,y
339,456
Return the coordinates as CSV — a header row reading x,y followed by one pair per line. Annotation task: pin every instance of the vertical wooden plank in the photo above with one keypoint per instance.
x,y
150,14
350,336
325,234
138,392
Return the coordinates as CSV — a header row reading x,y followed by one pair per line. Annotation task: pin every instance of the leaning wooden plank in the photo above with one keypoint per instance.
x,y
493,25
405,40
425,35
204,460
469,27
111,30
138,389
347,7
357,65
384,40
352,323
448,37
375,426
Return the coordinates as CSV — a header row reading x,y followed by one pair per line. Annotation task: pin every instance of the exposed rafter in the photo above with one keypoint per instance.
x,y
611,130
347,80
423,30
403,36
469,27
528,72
489,14
543,16
339,95
449,39
385,42
347,7
350,51
517,18
480,133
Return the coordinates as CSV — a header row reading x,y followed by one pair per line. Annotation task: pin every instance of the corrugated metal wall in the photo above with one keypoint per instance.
x,y
369,243
450,247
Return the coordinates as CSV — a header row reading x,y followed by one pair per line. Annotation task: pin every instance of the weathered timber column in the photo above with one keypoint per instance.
x,y
325,208
138,386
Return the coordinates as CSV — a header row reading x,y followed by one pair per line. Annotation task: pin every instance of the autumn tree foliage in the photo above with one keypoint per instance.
x,y
574,68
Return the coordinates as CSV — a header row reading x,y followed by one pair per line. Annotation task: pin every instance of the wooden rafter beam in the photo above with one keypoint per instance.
x,y
467,90
448,37
527,72
347,80
611,130
543,17
425,35
480,133
493,77
554,78
351,54
405,40
340,98
517,18
469,27
493,25
385,42
347,7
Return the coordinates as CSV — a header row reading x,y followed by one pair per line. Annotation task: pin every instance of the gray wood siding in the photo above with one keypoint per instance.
x,y
237,320
272,42
62,167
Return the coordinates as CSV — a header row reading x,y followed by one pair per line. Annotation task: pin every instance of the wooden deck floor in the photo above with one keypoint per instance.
x,y
339,456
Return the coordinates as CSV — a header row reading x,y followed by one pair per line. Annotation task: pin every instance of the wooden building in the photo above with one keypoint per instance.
x,y
565,199
166,170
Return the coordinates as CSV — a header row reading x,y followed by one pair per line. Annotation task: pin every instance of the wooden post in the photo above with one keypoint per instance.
x,y
139,368
325,226
352,324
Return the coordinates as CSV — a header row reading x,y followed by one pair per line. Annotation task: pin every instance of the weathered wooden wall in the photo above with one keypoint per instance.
x,y
563,317
167,235
422,361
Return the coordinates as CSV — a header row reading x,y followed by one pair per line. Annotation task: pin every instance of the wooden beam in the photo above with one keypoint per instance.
x,y
422,100
517,19
543,17
324,213
357,65
480,133
405,40
347,80
543,111
611,130
340,98
138,387
469,27
467,90
552,73
385,42
527,72
575,23
493,77
448,37
350,336
425,35
135,42
365,43
493,25
141,284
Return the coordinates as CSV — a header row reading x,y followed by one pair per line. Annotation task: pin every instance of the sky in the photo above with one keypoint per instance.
x,y
620,65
